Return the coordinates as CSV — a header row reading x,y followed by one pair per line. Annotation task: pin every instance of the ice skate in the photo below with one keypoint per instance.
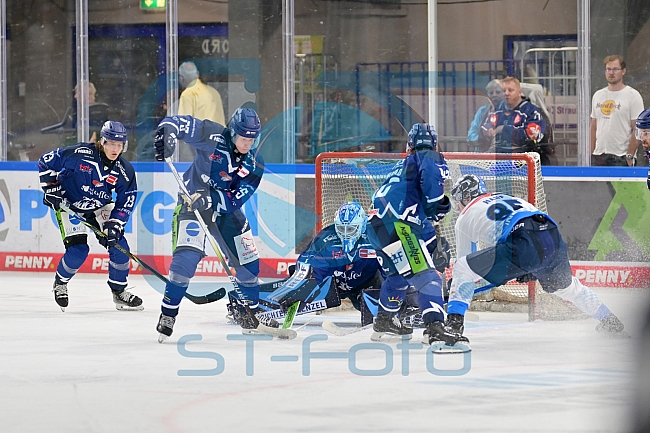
x,y
455,323
612,326
60,294
437,333
388,326
127,301
165,327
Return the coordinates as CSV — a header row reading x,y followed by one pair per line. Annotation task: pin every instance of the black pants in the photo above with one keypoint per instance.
x,y
607,159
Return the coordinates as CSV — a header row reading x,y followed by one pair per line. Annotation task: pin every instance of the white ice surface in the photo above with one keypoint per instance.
x,y
96,369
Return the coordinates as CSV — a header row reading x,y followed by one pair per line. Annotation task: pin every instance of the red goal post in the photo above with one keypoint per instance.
x,y
345,176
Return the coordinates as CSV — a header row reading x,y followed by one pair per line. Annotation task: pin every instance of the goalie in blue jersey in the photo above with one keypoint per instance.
x,y
518,241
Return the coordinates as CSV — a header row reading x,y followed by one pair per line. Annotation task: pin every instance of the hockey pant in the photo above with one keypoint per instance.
x,y
233,234
535,248
75,240
403,251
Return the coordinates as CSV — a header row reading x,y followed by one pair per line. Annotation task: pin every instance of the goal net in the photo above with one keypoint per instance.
x,y
347,176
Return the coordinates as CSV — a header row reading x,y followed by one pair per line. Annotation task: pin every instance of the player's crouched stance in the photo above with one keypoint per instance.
x,y
83,178
225,173
401,230
521,242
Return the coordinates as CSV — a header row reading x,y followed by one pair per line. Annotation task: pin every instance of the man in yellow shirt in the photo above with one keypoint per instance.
x,y
198,100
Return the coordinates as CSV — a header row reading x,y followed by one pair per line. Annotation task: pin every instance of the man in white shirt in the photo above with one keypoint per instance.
x,y
613,112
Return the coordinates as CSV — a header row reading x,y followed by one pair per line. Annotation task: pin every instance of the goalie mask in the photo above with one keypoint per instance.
x,y
422,136
350,224
466,189
642,130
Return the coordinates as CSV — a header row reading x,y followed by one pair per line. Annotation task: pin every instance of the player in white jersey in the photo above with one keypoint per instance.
x,y
500,238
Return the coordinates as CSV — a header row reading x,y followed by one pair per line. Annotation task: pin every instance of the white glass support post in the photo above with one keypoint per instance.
x,y
81,18
432,14
288,81
3,80
171,39
584,83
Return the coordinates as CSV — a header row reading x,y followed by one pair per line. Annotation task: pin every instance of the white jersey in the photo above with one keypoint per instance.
x,y
489,219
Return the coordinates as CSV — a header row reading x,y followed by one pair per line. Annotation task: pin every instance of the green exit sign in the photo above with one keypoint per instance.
x,y
153,4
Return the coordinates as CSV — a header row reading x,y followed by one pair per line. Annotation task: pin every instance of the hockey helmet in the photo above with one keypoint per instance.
x,y
422,136
466,189
114,131
642,124
245,123
350,224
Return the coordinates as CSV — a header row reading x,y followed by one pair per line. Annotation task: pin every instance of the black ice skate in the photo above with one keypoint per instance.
x,y
60,294
612,326
127,301
455,323
165,327
388,326
437,333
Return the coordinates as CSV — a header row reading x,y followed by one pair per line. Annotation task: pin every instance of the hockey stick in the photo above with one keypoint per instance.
x,y
205,299
280,333
333,328
291,315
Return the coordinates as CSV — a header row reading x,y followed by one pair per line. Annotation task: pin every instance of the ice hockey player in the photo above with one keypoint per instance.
x,y
225,173
642,133
520,242
401,230
84,177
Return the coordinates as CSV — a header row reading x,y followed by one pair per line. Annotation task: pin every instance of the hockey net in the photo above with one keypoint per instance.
x,y
346,176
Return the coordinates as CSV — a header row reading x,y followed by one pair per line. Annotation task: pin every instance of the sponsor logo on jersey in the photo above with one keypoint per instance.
x,y
111,179
225,176
97,183
517,119
367,254
337,254
92,191
123,172
85,168
242,172
372,212
84,150
215,157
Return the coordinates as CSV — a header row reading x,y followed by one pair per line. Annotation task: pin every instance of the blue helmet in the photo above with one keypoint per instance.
x,y
466,189
422,136
245,123
350,224
114,131
642,122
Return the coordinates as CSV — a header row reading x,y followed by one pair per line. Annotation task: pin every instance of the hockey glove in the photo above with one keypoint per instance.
x,y
442,254
200,201
443,208
164,142
53,196
114,231
526,278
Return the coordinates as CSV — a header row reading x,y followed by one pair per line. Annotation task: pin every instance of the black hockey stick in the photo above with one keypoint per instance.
x,y
205,299
280,333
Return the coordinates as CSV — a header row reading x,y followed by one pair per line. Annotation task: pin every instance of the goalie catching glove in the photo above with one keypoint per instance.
x,y
53,196
165,142
114,231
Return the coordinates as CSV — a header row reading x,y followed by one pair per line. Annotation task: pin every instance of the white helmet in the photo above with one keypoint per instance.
x,y
350,224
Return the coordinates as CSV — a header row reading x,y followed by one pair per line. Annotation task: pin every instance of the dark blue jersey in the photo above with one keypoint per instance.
x,y
231,177
326,257
514,136
87,181
414,188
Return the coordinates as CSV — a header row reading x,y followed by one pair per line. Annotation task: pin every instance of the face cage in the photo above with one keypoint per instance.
x,y
349,235
124,147
641,134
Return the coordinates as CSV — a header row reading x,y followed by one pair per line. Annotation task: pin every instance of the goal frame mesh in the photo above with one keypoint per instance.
x,y
458,163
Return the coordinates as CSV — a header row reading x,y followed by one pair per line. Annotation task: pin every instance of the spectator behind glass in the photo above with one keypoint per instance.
x,y
198,100
97,112
476,138
614,110
519,125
